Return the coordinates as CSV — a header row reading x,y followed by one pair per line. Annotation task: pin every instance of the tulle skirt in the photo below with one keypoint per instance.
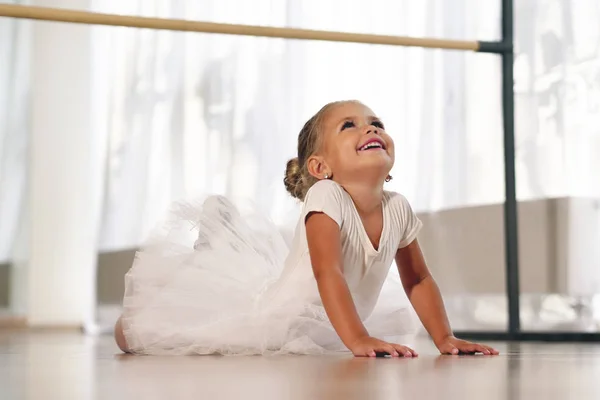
x,y
201,285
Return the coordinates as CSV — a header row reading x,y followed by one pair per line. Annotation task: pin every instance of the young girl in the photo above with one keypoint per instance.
x,y
234,291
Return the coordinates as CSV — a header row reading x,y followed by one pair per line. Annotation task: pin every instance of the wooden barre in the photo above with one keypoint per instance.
x,y
91,18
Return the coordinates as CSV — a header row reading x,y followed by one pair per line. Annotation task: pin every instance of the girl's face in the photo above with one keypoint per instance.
x,y
355,144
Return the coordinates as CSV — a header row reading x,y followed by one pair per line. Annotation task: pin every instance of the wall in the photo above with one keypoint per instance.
x,y
464,248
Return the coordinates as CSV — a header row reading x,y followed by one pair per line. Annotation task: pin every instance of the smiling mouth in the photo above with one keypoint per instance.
x,y
372,145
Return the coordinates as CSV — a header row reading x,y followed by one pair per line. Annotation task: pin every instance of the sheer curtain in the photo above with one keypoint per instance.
x,y
14,81
557,84
557,74
190,113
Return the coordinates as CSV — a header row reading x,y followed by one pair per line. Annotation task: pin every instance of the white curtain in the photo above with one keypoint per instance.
x,y
188,114
557,73
14,81
191,113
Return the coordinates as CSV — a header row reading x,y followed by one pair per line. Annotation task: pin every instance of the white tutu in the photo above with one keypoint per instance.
x,y
201,285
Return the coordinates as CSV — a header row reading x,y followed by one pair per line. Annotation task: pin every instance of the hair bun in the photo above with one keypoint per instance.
x,y
293,178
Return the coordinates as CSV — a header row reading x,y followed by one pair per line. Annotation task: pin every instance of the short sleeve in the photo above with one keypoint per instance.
x,y
407,221
324,197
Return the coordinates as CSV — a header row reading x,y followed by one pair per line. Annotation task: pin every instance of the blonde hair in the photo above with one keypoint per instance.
x,y
297,178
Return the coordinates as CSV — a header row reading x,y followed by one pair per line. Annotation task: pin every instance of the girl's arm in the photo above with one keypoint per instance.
x,y
425,296
324,245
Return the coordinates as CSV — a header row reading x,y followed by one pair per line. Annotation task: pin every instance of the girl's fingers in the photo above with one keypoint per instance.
x,y
405,351
414,353
448,348
367,353
474,349
478,348
391,350
394,350
387,348
364,353
469,348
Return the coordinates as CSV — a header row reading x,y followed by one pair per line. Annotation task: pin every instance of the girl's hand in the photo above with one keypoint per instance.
x,y
369,347
454,346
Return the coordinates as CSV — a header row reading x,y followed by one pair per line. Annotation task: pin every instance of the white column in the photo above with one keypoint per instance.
x,y
65,167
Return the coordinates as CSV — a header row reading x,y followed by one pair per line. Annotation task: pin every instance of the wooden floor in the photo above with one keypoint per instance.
x,y
65,365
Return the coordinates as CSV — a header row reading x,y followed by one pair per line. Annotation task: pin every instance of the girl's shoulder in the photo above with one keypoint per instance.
x,y
325,191
398,203
325,186
395,197
328,197
404,219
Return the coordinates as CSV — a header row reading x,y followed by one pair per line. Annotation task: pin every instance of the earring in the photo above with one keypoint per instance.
x,y
388,178
326,176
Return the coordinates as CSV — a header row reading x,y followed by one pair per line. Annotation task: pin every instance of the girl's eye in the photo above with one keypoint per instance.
x,y
348,124
378,124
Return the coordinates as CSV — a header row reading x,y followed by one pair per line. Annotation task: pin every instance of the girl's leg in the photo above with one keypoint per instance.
x,y
120,337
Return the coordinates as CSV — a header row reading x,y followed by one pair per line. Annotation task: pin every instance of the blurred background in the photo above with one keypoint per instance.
x,y
101,128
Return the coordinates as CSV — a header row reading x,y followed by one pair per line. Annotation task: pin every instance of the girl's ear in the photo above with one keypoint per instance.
x,y
317,167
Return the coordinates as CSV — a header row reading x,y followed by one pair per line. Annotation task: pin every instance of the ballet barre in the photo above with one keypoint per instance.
x,y
93,18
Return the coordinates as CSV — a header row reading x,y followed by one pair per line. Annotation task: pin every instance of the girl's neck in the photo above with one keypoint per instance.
x,y
366,198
